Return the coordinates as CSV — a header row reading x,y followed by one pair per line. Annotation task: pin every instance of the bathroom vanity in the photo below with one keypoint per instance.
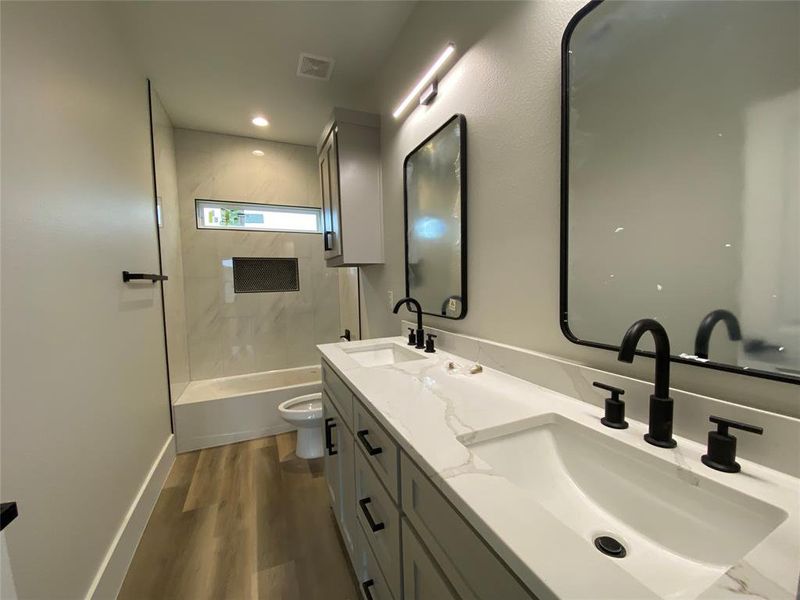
x,y
450,481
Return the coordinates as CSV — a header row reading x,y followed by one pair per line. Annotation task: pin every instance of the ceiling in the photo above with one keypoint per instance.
x,y
216,65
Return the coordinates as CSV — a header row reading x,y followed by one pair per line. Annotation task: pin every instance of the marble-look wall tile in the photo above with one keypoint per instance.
x,y
232,334
205,357
348,301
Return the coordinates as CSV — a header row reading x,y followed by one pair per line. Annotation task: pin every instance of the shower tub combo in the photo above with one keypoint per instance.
x,y
213,412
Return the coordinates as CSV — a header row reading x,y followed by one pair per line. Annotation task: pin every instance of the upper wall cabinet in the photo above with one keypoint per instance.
x,y
350,178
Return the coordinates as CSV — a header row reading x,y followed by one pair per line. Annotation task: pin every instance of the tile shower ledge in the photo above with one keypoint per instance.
x,y
426,408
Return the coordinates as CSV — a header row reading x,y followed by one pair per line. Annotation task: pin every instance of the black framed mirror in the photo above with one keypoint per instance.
x,y
435,211
679,195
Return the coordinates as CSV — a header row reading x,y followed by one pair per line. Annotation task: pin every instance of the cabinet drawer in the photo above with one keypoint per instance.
x,y
472,568
422,579
380,522
341,396
378,447
371,582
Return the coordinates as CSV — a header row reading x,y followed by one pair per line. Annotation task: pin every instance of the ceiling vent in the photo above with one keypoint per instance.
x,y
315,67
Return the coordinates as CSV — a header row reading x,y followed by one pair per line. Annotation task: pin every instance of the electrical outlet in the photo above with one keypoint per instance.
x,y
391,299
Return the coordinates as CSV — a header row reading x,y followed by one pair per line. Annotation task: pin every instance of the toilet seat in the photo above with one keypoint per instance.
x,y
306,407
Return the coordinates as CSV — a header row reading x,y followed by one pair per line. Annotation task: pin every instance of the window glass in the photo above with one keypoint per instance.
x,y
260,217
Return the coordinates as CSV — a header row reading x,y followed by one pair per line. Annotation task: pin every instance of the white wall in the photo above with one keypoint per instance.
x,y
506,81
228,333
84,391
171,251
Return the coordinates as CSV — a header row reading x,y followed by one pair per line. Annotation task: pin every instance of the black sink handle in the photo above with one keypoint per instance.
x,y
721,453
362,435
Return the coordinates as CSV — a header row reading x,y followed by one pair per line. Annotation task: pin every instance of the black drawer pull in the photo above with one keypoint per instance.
x,y
362,435
329,424
372,524
328,240
365,586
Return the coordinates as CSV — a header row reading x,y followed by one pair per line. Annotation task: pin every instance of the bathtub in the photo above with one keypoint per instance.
x,y
212,412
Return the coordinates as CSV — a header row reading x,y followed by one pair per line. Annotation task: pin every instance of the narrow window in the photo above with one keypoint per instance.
x,y
214,214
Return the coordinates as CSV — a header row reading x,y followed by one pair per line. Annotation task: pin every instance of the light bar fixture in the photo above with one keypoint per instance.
x,y
430,92
426,79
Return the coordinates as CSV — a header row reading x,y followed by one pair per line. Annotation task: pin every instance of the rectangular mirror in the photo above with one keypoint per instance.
x,y
680,187
435,185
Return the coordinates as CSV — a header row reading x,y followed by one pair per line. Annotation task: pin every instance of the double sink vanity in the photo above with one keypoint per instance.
x,y
450,481
464,468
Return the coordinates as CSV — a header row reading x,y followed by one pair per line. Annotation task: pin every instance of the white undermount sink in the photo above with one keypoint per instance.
x,y
378,355
681,530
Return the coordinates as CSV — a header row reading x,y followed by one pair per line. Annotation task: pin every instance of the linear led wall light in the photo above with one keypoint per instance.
x,y
427,96
426,79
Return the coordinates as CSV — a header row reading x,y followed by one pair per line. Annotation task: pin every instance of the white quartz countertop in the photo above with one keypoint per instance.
x,y
427,406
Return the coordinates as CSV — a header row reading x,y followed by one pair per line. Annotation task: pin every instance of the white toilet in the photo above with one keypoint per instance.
x,y
305,413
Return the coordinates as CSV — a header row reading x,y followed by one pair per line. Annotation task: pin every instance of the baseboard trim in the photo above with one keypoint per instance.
x,y
210,441
112,571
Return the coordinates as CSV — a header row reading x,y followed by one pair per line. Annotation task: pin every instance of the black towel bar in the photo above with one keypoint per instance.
x,y
128,276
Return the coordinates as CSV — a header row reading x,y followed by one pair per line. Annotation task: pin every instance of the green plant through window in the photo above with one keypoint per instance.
x,y
260,217
232,217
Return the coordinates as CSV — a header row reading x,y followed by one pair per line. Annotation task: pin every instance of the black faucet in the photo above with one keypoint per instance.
x,y
707,326
661,405
420,333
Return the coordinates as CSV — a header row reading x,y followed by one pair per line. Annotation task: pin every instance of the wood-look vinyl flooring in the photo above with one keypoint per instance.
x,y
247,520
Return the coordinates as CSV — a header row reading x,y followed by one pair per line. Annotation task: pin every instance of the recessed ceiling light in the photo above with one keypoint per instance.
x,y
260,121
258,153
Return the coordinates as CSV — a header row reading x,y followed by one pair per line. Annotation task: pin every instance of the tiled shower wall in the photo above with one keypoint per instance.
x,y
232,334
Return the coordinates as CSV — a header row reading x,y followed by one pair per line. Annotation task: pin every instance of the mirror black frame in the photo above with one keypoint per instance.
x,y
462,125
564,267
